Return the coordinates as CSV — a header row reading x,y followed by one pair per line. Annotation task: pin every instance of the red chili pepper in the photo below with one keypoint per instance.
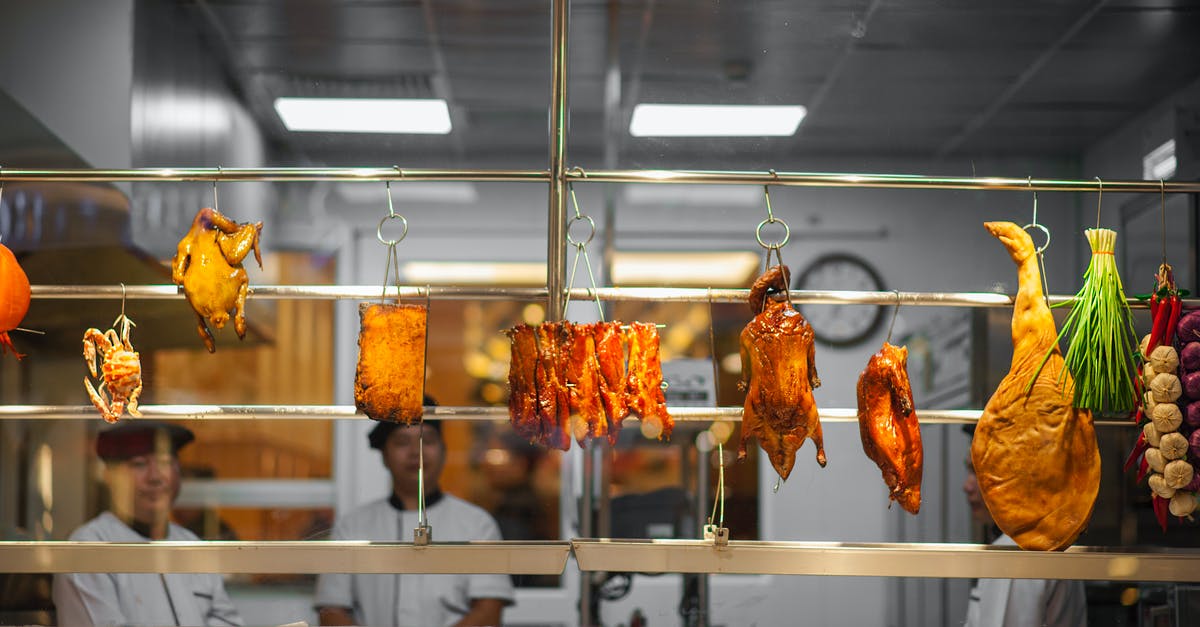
x,y
1143,468
1160,511
1137,451
1159,327
1176,308
1153,308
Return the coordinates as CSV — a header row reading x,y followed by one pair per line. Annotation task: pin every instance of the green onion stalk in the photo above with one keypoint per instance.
x,y
1103,347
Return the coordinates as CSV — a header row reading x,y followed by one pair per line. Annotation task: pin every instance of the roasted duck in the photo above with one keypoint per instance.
x,y
389,384
643,387
779,374
208,265
583,383
553,399
891,436
1035,455
610,353
522,397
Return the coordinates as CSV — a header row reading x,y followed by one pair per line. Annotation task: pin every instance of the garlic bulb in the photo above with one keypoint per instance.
x,y
1155,459
1173,446
1148,401
1159,486
1183,503
1164,359
1153,438
1166,417
1148,374
1165,387
1177,474
1144,346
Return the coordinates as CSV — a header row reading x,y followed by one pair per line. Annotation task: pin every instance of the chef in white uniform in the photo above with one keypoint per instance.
x,y
142,473
1020,602
413,600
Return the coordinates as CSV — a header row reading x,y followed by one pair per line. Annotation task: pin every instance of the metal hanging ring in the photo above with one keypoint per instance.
x,y
787,234
379,230
1041,249
591,233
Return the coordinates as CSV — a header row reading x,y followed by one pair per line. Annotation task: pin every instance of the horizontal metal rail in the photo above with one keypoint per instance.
x,y
644,294
342,556
161,175
721,177
890,181
441,412
886,560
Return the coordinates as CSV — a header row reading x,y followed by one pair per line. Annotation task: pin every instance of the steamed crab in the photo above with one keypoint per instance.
x,y
121,368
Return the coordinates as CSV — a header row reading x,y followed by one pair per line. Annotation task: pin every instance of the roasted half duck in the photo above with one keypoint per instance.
x,y
610,353
553,399
643,387
389,384
583,384
208,265
779,374
522,396
891,436
1034,454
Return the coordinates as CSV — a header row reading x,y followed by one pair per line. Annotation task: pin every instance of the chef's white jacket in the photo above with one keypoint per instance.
x,y
412,600
139,598
1026,602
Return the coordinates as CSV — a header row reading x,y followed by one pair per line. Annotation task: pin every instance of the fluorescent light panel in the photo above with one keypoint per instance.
x,y
1160,163
680,120
688,269
364,115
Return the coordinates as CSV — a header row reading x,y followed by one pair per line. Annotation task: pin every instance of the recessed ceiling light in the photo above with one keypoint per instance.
x,y
678,120
364,115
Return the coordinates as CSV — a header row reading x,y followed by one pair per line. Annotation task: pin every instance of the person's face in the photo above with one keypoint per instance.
x,y
145,486
401,456
970,487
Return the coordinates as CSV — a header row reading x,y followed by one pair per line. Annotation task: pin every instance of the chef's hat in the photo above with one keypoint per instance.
x,y
141,437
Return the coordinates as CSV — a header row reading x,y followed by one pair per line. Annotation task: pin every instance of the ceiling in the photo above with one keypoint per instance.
x,y
925,78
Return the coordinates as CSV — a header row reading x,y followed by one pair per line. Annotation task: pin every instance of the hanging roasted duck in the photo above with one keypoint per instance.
x,y
779,374
887,422
1034,454
208,265
643,383
389,383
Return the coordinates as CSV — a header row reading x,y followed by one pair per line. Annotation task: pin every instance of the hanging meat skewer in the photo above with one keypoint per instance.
x,y
553,400
522,398
583,384
643,388
389,383
610,354
779,374
891,435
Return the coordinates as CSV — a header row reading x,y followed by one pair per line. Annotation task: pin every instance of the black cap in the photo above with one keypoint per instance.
x,y
379,435
140,437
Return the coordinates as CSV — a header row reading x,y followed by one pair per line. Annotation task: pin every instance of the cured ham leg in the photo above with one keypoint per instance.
x,y
1035,455
643,387
389,383
610,353
779,374
522,396
553,400
583,384
891,436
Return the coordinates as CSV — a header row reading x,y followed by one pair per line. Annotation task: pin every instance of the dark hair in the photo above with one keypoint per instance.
x,y
141,437
379,435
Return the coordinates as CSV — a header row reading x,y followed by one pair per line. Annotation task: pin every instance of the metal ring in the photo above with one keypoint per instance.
x,y
591,234
787,234
1045,230
379,230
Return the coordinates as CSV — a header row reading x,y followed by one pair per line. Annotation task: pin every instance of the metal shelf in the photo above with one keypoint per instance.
x,y
440,412
647,294
886,560
515,558
365,174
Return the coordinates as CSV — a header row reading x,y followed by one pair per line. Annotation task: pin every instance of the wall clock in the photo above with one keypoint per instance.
x,y
841,325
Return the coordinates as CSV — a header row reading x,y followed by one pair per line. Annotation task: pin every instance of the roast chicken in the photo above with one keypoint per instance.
x,y
643,387
1034,454
779,374
389,384
208,265
891,436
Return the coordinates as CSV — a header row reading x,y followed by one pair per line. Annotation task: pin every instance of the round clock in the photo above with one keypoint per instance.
x,y
841,325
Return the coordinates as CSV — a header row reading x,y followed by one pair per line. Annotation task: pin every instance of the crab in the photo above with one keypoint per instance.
x,y
121,368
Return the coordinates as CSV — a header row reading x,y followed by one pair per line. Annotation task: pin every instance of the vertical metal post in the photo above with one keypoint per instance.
x,y
703,496
556,244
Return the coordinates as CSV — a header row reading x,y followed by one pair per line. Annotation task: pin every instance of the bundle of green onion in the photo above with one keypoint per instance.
x,y
1103,343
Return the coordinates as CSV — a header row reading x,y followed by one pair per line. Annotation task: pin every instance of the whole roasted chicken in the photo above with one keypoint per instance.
x,y
208,265
891,436
779,374
1034,454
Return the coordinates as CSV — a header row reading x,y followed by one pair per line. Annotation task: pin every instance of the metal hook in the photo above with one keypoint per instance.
x,y
575,203
1162,207
895,314
580,170
216,200
1099,198
392,215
